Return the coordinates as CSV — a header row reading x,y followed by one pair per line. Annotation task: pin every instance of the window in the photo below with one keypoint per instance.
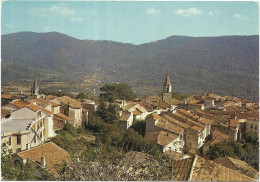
x,y
18,139
34,139
252,125
18,150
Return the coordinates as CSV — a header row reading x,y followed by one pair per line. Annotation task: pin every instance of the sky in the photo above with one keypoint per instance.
x,y
131,22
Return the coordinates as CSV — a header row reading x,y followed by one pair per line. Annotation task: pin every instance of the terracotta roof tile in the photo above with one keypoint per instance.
x,y
169,127
130,105
161,137
206,170
205,121
53,154
54,104
165,138
181,169
137,112
63,116
197,128
152,136
6,96
68,100
175,121
188,114
46,111
5,112
234,122
188,120
220,136
125,116
19,103
41,102
33,107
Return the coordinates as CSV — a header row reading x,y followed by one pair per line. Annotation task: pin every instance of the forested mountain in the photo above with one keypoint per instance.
x,y
226,65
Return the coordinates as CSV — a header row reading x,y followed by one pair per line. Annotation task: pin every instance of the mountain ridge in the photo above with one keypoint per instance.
x,y
226,64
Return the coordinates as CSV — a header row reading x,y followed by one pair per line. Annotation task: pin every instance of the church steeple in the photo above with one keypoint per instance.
x,y
167,80
167,90
35,91
167,86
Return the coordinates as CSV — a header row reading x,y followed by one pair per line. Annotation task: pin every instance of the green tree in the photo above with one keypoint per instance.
x,y
96,124
113,91
107,113
109,92
140,127
64,139
251,137
125,92
222,149
82,96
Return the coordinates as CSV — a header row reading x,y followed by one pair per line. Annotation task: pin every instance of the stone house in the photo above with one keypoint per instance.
x,y
126,120
72,108
91,107
252,125
59,120
55,108
194,139
155,122
27,127
166,140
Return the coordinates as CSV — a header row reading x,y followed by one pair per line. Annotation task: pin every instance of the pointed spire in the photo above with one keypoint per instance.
x,y
167,79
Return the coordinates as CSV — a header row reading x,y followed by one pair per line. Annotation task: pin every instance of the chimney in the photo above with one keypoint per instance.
x,y
43,164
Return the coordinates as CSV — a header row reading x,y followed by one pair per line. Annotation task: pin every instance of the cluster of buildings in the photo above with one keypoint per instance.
x,y
28,124
193,125
183,129
188,128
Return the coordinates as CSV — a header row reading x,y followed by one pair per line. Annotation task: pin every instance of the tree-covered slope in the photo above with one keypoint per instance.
x,y
225,65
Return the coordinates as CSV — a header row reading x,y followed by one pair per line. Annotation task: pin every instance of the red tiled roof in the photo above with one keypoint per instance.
x,y
19,103
197,128
137,112
220,136
33,107
200,169
46,111
234,122
53,154
54,104
161,137
4,112
63,116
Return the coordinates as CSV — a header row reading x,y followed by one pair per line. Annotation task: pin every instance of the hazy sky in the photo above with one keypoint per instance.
x,y
131,22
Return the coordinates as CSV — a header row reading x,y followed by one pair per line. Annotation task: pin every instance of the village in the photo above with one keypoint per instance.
x,y
184,130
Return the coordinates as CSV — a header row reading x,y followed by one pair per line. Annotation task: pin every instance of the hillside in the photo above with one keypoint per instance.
x,y
225,65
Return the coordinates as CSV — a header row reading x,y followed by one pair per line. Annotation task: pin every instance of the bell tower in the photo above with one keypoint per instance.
x,y
167,90
35,91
